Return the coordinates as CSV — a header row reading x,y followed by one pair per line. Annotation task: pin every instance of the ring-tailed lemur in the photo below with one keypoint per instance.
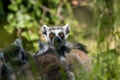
x,y
56,38
12,56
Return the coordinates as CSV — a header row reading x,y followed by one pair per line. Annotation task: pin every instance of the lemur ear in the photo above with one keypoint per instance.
x,y
67,29
44,29
18,42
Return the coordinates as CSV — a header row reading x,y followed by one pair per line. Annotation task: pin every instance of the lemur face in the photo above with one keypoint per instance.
x,y
56,36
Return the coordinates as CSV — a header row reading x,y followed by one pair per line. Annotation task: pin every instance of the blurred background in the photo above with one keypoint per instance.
x,y
95,23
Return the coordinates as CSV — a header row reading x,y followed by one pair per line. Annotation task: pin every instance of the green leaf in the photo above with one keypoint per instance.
x,y
34,36
10,17
18,1
38,12
23,8
25,34
13,7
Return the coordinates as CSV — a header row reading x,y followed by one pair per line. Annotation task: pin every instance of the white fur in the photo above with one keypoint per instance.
x,y
1,55
45,48
62,58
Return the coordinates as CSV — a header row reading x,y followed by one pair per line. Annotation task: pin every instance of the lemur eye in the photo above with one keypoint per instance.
x,y
52,35
61,34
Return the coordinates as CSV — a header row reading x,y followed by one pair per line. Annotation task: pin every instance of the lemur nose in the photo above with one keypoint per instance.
x,y
57,39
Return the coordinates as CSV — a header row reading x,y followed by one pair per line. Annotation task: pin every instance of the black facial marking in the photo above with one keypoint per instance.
x,y
67,30
44,31
52,35
61,34
57,40
54,28
23,58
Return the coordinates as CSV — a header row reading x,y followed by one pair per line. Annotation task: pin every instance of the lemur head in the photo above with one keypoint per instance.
x,y
56,36
22,56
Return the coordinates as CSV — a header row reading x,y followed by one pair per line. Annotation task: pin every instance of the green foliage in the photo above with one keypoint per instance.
x,y
107,59
107,66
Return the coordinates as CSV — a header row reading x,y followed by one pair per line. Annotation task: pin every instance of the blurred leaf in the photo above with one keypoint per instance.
x,y
19,1
10,17
34,37
38,12
23,8
13,7
26,35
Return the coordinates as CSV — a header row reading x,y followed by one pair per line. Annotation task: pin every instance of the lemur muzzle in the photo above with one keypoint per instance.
x,y
57,40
